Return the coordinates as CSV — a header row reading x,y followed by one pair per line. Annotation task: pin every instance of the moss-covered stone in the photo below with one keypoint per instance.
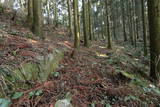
x,y
37,71
41,69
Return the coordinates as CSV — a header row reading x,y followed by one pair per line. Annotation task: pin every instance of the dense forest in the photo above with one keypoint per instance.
x,y
79,53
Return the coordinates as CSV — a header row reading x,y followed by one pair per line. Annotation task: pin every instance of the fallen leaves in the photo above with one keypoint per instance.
x,y
50,48
20,49
22,45
49,85
85,73
27,53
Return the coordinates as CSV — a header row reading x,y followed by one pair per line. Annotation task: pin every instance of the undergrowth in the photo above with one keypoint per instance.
x,y
131,63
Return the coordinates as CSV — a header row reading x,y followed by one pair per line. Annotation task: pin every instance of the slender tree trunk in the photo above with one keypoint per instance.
x,y
114,26
144,28
70,17
102,27
37,18
55,13
48,13
93,29
93,25
123,20
30,13
130,22
134,23
78,18
84,24
138,14
102,19
90,20
108,24
76,28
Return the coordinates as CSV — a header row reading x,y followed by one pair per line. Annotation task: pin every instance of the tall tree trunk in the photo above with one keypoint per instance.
x,y
108,24
48,12
30,13
123,20
144,28
134,23
37,18
154,26
130,21
70,17
90,20
114,26
84,24
79,21
102,27
76,28
56,13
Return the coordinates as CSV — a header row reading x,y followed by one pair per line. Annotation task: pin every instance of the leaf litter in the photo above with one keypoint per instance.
x,y
90,75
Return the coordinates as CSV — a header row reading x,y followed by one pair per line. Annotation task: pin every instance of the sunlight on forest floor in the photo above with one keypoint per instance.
x,y
101,55
102,47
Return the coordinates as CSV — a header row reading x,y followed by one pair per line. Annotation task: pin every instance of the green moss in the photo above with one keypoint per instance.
x,y
31,72
40,70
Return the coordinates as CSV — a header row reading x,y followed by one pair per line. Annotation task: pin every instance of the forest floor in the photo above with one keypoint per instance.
x,y
95,76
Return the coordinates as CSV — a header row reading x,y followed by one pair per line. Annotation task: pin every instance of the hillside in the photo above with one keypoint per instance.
x,y
38,73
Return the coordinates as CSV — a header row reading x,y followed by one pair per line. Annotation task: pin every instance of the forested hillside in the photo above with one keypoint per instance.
x,y
79,53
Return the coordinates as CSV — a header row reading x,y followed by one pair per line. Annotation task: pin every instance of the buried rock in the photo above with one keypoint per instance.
x,y
65,102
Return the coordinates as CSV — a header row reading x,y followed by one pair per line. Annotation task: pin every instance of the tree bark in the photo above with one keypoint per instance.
x,y
76,28
84,24
90,20
154,26
108,25
30,13
123,20
37,18
70,17
144,28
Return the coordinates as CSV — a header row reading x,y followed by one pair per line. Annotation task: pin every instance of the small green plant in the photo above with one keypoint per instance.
x,y
18,22
130,97
5,102
30,36
108,105
55,74
35,93
17,95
